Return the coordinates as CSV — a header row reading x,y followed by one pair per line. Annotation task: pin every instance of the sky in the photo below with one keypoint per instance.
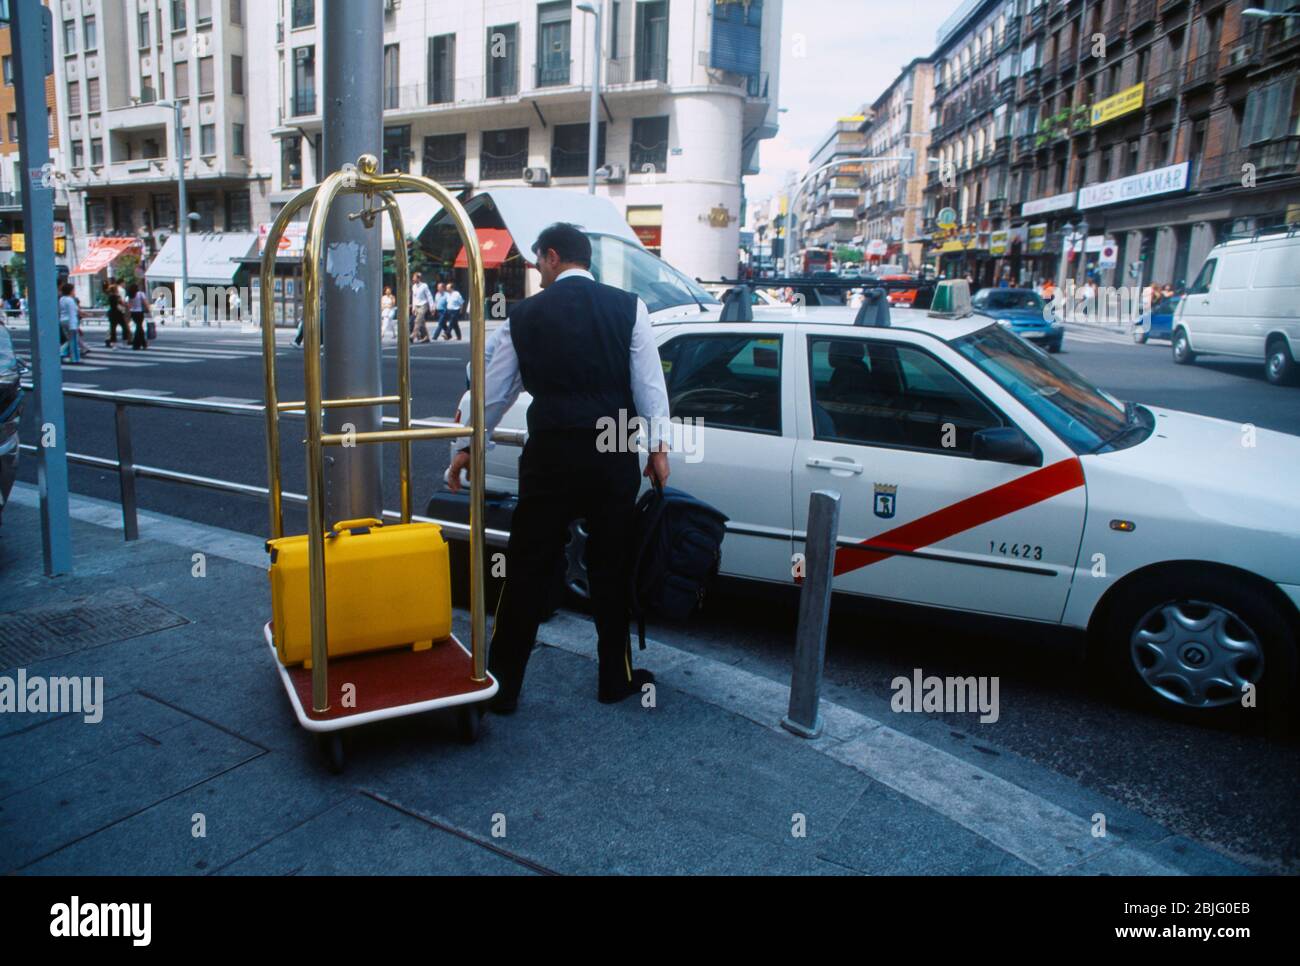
x,y
837,55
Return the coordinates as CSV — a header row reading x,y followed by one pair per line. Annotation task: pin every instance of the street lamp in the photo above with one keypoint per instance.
x,y
184,218
593,7
1267,14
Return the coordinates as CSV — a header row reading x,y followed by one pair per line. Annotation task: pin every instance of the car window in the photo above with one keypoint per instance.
x,y
617,262
1202,284
727,381
885,394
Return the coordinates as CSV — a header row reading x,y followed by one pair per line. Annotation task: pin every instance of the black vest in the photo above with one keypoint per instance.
x,y
574,343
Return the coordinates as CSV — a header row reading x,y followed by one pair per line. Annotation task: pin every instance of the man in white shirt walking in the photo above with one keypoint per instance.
x,y
565,471
421,306
451,313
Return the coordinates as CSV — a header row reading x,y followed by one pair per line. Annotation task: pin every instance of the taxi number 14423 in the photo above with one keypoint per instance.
x,y
1016,550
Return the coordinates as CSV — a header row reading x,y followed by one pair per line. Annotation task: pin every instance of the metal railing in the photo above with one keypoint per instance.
x,y
128,470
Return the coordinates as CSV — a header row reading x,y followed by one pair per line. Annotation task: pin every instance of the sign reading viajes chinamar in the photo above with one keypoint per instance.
x,y
1158,182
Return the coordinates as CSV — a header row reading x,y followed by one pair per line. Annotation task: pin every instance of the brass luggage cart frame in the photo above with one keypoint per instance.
x,y
467,691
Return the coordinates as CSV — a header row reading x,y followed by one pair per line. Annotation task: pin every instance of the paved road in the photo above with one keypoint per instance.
x,y
1236,792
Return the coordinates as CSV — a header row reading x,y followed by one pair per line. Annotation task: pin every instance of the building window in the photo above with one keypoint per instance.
x,y
178,14
1134,149
236,74
239,214
304,13
397,148
649,151
142,30
181,79
304,80
291,162
96,215
164,211
503,61
444,157
203,11
207,140
553,21
237,12
123,221
9,70
91,33
237,140
78,154
392,77
13,127
613,29
96,151
147,95
205,206
569,149
441,69
652,41
503,154
74,97
69,36
207,76
92,94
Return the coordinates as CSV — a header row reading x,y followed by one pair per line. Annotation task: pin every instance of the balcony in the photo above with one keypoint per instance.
x,y
1034,21
1010,37
10,200
630,70
1114,29
1162,87
1168,7
1272,159
303,103
1241,54
1144,14
1202,71
552,74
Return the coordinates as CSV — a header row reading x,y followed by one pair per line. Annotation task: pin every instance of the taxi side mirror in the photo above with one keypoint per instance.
x,y
1005,444
951,300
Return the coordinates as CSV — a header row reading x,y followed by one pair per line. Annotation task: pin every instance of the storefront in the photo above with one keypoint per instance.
x,y
214,264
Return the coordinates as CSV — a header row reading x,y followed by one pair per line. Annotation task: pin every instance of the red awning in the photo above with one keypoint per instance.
x,y
101,254
494,243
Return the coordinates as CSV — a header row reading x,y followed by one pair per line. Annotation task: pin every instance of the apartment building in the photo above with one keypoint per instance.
x,y
827,207
120,66
1159,124
13,179
497,93
891,209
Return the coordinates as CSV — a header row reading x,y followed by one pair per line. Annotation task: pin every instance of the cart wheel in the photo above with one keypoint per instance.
x,y
469,722
330,744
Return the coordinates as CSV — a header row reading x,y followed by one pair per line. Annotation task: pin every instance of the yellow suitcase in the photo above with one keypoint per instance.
x,y
388,586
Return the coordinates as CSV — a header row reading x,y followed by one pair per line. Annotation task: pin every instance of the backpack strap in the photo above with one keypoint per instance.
x,y
655,512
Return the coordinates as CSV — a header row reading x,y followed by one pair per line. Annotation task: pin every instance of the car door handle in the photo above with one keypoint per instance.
x,y
825,464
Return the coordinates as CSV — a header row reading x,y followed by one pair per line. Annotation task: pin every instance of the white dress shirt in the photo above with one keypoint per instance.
x,y
420,294
649,393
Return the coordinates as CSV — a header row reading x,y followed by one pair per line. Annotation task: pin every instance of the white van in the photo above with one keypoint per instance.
x,y
1246,303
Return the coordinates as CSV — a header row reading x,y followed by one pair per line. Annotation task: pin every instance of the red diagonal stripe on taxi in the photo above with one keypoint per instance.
x,y
1022,492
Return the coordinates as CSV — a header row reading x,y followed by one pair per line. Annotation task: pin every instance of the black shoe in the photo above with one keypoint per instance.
x,y
619,690
503,704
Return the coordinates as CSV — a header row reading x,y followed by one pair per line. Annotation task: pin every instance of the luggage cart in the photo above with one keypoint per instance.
x,y
400,682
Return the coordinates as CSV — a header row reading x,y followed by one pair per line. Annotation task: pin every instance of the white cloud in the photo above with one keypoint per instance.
x,y
837,55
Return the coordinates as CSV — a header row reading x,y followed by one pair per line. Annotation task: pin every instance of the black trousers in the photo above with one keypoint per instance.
x,y
562,478
139,341
115,319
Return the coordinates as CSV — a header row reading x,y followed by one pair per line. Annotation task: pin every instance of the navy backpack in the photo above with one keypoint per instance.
x,y
678,542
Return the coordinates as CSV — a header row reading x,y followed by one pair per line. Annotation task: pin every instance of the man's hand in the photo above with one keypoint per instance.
x,y
656,467
458,463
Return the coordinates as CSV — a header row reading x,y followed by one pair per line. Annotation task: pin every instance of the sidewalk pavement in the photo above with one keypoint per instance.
x,y
198,765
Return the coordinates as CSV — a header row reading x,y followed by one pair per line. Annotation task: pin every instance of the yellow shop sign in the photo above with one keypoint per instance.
x,y
1126,101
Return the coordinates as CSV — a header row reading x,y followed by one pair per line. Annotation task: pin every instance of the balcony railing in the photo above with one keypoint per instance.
x,y
449,171
304,103
1144,13
1202,70
1280,158
553,75
498,166
1114,29
11,199
632,70
1162,86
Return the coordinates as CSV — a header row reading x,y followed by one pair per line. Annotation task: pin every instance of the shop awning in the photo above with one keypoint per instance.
x,y
417,209
101,254
212,257
495,245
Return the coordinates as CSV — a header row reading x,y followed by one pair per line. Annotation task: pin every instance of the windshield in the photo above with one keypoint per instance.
x,y
1011,299
617,262
1087,419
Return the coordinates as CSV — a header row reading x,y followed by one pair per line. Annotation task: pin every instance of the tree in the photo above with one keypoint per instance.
x,y
848,256
18,272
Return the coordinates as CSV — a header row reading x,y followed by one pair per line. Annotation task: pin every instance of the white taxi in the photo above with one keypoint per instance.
x,y
980,474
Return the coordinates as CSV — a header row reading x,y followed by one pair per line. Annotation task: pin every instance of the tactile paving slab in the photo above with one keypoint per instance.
x,y
38,633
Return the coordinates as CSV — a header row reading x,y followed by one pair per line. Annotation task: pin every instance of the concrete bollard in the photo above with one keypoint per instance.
x,y
804,717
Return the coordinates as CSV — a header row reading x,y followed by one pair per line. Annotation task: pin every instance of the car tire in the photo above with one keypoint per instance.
x,y
1184,642
1279,367
1054,346
1140,336
1183,354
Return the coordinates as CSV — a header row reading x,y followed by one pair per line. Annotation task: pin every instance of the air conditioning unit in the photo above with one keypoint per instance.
x,y
617,173
537,176
1162,89
1238,54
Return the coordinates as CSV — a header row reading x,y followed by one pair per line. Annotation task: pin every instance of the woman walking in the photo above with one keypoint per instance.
x,y
388,312
139,305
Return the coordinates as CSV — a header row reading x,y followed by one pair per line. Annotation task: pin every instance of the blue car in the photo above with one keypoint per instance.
x,y
1161,324
1023,311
